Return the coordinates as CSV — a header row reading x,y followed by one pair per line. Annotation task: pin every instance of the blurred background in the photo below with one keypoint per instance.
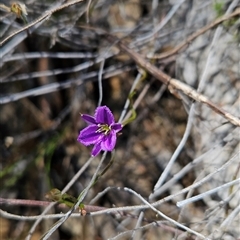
x,y
50,74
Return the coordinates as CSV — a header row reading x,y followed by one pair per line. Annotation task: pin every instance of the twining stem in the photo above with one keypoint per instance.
x,y
132,109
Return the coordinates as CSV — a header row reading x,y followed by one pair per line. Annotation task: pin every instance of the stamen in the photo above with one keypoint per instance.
x,y
103,128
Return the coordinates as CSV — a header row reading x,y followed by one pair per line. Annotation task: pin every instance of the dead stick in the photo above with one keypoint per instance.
x,y
195,35
45,16
37,203
167,80
89,209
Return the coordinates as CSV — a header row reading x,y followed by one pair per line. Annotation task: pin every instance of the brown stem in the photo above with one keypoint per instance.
x,y
26,202
167,80
89,209
45,16
195,35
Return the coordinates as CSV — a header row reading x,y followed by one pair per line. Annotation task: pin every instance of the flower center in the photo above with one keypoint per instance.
x,y
104,128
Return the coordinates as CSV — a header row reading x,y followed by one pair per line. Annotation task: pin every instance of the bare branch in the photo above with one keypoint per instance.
x,y
167,80
45,16
184,44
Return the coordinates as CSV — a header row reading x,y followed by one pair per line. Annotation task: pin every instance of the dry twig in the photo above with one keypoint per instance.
x,y
174,83
194,36
46,15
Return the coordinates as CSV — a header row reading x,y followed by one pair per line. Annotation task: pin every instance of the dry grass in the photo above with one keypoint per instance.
x,y
175,149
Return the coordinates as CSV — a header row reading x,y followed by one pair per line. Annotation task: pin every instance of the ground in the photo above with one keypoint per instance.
x,y
65,65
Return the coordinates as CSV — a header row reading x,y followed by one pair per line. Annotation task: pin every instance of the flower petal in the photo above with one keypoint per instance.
x,y
104,115
89,135
96,149
109,141
117,127
89,119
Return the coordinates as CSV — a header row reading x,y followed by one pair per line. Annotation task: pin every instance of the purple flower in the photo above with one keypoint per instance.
x,y
102,131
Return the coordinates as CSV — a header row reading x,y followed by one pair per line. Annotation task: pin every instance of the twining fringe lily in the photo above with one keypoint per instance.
x,y
102,131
